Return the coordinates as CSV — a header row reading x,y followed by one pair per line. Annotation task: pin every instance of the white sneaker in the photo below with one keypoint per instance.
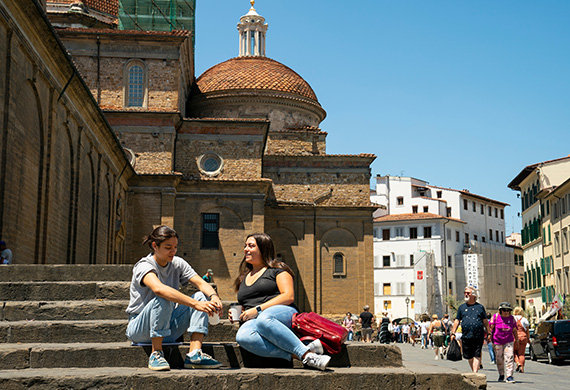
x,y
316,346
316,361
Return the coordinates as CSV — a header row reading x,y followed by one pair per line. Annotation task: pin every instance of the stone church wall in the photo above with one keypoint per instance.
x,y
307,143
62,170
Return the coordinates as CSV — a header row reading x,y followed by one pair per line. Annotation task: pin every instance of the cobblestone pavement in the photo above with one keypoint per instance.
x,y
538,375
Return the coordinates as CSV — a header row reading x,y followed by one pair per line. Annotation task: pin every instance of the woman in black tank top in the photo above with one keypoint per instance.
x,y
265,290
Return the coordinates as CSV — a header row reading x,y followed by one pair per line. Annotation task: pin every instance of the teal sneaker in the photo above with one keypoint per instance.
x,y
198,359
157,362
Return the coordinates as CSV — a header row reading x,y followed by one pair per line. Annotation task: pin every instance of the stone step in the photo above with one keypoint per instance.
x,y
88,331
110,378
86,355
64,272
64,310
63,291
93,309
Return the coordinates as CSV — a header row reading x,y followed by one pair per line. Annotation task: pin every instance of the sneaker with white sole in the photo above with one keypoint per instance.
x,y
157,362
316,347
316,361
199,359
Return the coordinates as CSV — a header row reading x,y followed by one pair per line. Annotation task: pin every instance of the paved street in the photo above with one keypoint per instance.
x,y
537,376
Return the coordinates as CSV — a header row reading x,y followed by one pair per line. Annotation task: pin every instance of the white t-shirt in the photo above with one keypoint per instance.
x,y
424,326
524,321
176,273
6,256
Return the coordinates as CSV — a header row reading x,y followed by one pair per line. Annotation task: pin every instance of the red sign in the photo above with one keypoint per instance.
x,y
420,275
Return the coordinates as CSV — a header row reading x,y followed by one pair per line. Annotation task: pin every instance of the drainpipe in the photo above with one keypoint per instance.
x,y
98,70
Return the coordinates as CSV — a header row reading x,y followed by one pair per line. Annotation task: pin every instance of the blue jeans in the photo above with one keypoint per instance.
x,y
491,352
163,318
270,334
350,335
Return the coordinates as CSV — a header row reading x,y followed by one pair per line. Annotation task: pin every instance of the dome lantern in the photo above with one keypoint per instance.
x,y
252,29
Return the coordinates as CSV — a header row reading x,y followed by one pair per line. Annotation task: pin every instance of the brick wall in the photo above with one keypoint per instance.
x,y
296,143
61,162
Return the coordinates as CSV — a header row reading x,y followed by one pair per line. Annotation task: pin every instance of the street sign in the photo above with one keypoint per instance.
x,y
420,275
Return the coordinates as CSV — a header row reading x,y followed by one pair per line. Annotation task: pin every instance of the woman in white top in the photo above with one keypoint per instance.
x,y
523,337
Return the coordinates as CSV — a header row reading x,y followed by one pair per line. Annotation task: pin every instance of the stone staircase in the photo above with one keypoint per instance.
x,y
63,326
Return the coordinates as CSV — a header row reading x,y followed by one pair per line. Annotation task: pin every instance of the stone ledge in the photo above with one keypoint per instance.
x,y
246,379
122,354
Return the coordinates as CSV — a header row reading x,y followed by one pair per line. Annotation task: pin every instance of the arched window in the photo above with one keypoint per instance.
x,y
339,264
135,84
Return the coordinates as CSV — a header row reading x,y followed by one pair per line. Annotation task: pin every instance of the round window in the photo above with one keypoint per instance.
x,y
210,164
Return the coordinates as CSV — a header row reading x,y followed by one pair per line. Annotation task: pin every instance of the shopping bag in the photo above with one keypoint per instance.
x,y
454,351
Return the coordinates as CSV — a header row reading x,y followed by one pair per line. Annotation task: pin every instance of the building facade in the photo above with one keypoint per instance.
x,y
544,204
440,240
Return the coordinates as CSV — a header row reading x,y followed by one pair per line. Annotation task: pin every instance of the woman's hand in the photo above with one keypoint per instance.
x,y
249,314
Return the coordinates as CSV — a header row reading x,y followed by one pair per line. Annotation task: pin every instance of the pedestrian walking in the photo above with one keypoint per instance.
x,y
405,333
503,335
424,327
523,337
438,333
472,317
490,344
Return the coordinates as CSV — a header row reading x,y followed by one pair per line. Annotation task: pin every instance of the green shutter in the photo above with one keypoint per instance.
x,y
543,294
549,240
542,267
549,292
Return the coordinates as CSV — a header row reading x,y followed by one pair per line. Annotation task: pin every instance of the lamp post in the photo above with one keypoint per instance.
x,y
386,307
407,303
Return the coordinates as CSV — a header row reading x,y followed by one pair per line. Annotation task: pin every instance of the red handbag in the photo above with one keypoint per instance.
x,y
311,326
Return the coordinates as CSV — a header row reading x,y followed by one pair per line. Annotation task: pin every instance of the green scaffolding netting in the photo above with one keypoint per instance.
x,y
157,15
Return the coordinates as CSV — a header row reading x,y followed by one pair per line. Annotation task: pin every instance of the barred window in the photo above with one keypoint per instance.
x,y
210,229
339,262
135,94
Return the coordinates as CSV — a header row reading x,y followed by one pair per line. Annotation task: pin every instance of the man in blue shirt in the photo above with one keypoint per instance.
x,y
473,319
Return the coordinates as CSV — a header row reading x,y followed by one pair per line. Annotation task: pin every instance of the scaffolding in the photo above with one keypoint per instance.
x,y
157,15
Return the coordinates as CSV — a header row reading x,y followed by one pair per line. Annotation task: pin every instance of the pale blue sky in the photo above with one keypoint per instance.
x,y
461,93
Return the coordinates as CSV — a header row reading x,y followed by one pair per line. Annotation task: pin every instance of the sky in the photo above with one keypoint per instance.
x,y
460,93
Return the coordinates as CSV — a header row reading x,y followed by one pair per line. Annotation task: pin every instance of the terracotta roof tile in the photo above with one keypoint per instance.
x,y
413,217
254,73
110,7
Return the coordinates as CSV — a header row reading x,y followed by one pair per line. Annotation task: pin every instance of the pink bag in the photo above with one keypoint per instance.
x,y
311,326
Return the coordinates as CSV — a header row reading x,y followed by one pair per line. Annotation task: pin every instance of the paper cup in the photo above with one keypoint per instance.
x,y
214,319
235,311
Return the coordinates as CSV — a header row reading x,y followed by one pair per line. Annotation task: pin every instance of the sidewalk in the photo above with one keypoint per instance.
x,y
417,359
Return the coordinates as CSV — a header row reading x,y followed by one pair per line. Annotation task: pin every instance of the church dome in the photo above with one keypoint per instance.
x,y
254,73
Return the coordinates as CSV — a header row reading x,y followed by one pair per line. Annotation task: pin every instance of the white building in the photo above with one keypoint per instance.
x,y
422,236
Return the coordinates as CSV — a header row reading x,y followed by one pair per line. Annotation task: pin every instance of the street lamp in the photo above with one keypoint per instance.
x,y
407,303
386,308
